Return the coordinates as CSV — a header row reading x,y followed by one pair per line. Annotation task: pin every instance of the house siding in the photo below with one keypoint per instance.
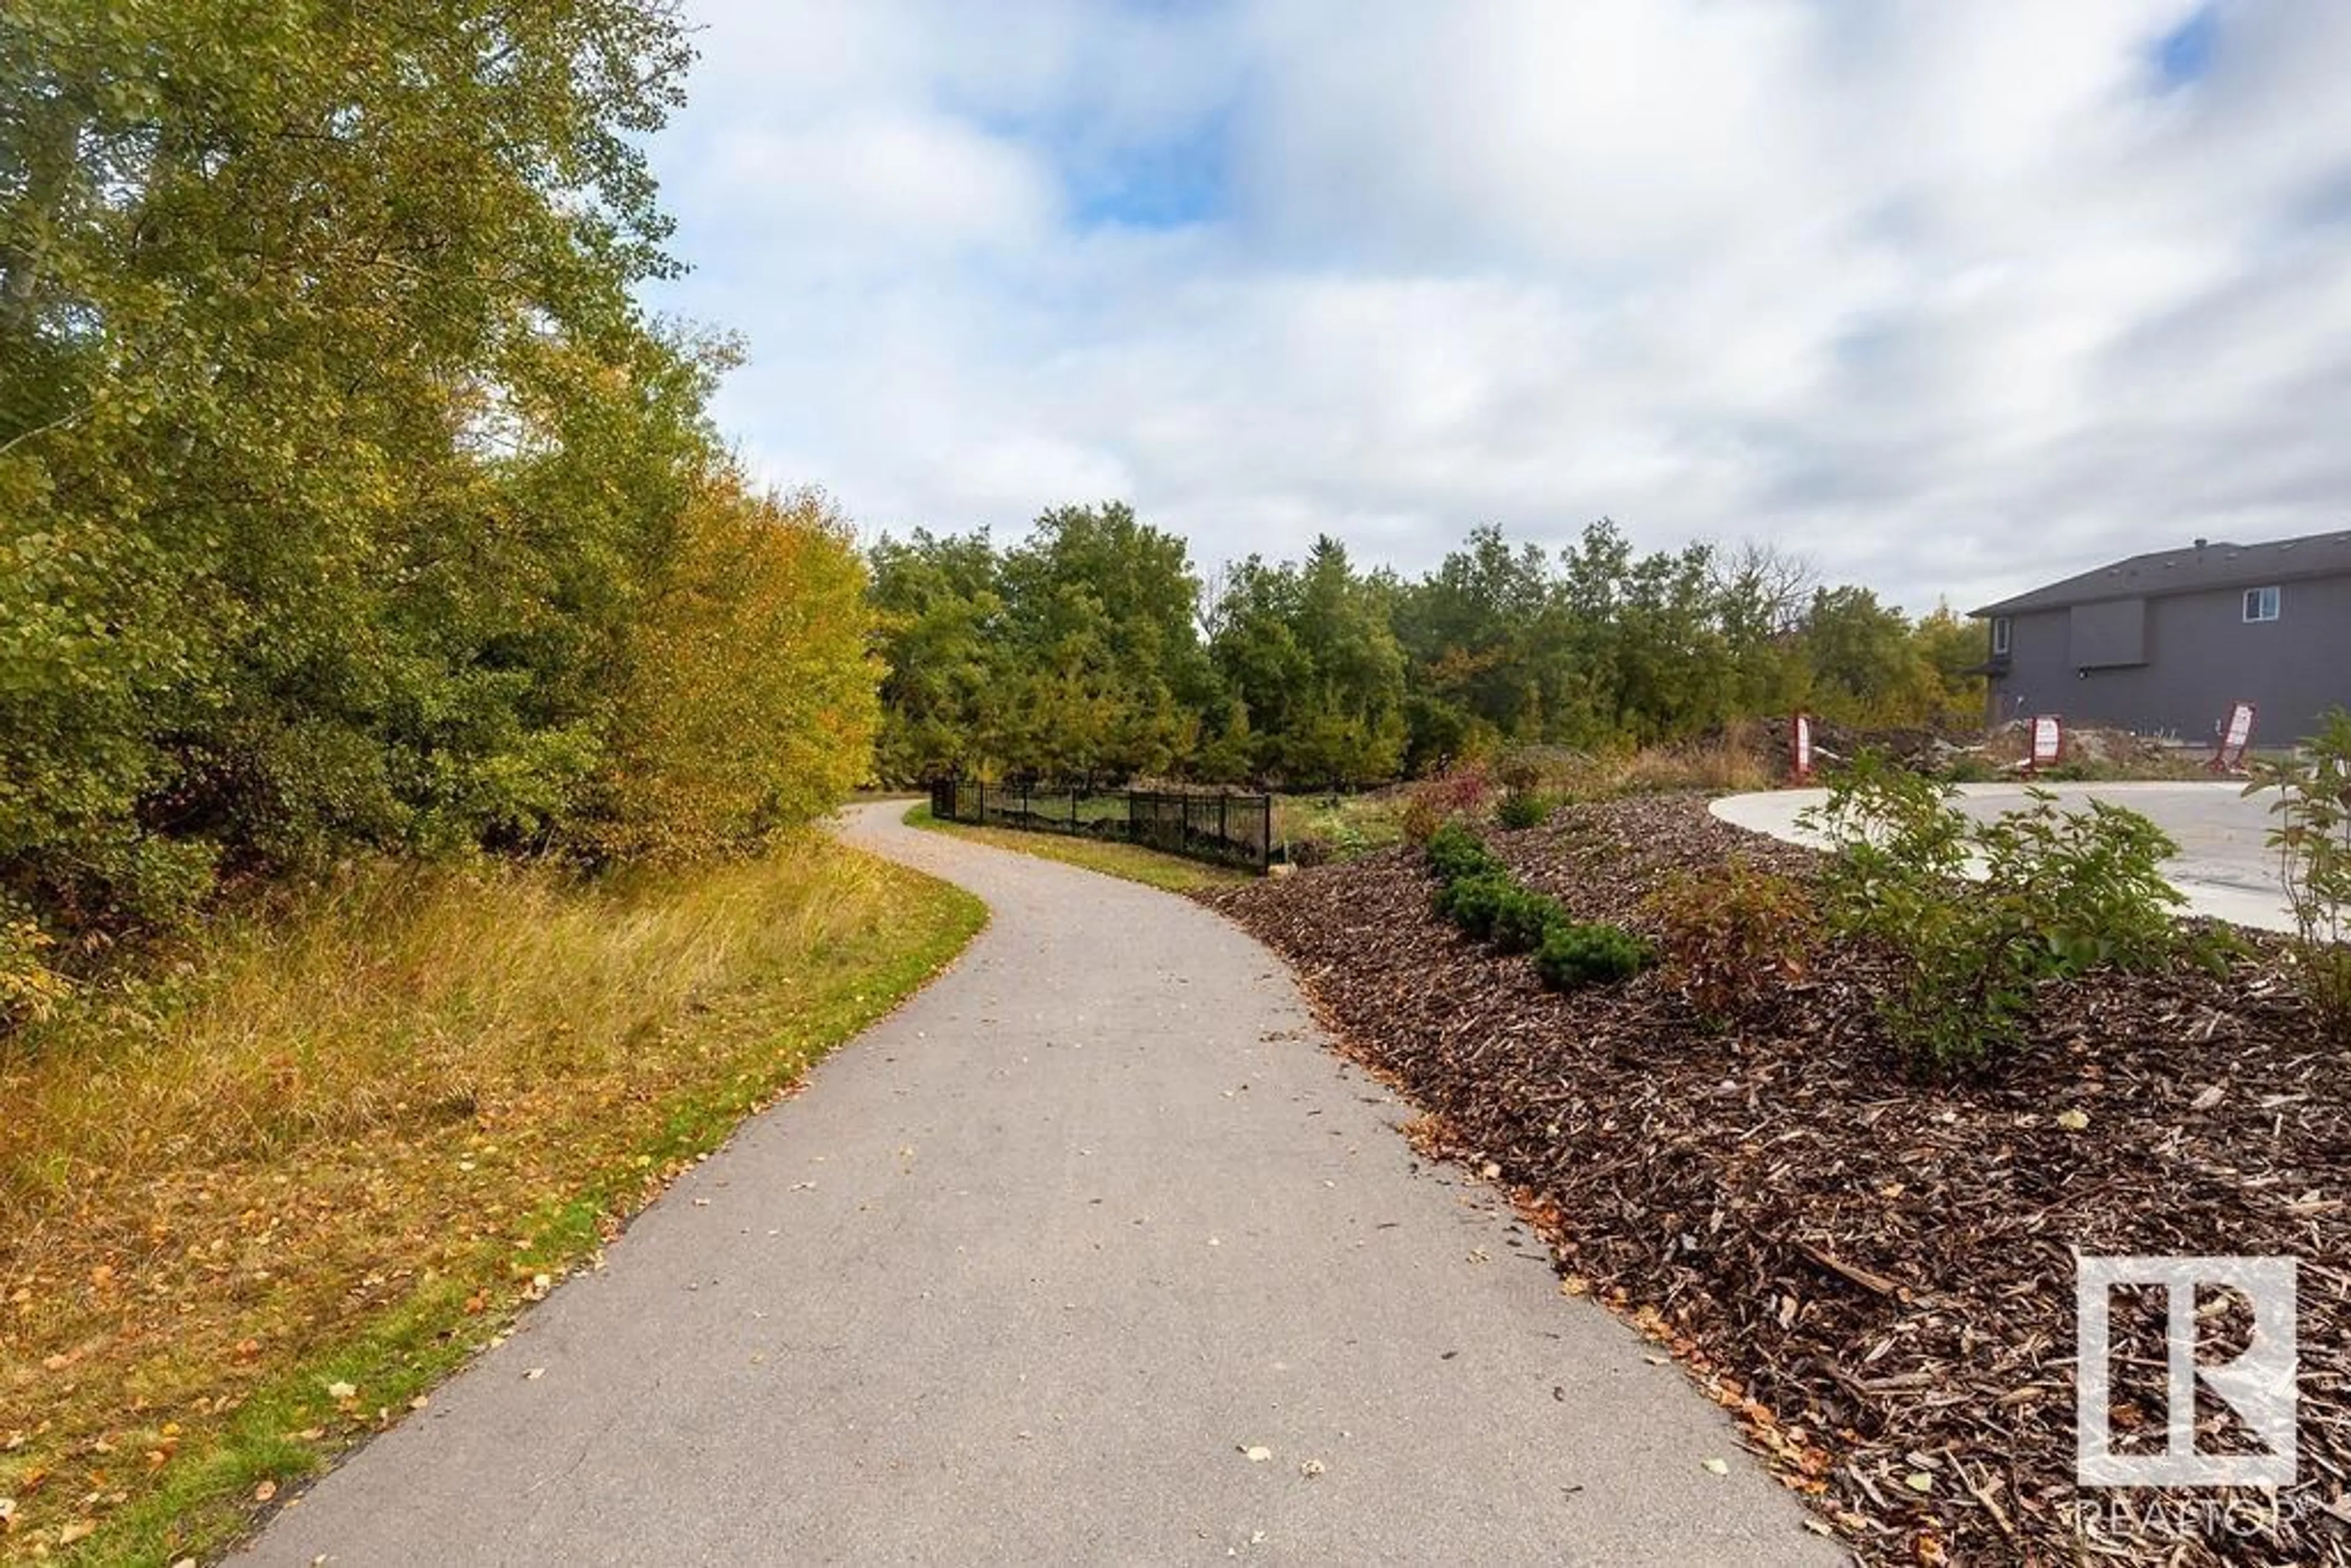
x,y
2201,656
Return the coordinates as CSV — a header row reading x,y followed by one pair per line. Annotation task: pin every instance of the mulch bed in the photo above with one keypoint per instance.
x,y
1875,1274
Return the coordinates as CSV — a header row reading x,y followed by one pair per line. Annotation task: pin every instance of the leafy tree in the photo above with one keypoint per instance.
x,y
341,479
1866,669
938,634
1951,650
1317,674
1099,614
1469,631
748,702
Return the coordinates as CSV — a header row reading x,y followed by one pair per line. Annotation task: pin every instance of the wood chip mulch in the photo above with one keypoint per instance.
x,y
1877,1275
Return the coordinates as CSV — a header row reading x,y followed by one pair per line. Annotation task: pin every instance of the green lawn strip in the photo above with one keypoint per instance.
x,y
1169,873
1340,827
208,1499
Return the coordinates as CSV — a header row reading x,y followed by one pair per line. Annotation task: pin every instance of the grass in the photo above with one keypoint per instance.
x,y
249,1215
1730,764
1170,873
1337,827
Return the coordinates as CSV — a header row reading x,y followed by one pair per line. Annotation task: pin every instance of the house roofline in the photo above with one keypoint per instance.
x,y
2139,576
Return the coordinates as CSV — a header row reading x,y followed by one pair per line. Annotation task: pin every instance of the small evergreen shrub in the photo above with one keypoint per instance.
x,y
1733,934
1473,902
1521,917
1455,851
1526,809
1576,953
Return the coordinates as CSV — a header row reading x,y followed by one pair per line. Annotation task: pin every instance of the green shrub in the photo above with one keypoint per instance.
x,y
2056,894
1733,933
1455,851
1522,918
1970,769
1574,954
1473,902
30,989
2313,841
1526,809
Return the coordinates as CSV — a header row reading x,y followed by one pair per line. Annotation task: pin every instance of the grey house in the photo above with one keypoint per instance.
x,y
2165,643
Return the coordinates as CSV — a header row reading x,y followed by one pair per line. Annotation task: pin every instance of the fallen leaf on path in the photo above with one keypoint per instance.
x,y
1718,1467
1256,1455
534,1374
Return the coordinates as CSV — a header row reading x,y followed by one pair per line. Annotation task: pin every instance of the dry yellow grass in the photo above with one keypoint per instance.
x,y
1731,763
1738,759
365,1131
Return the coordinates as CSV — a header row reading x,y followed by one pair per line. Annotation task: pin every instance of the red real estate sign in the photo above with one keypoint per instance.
x,y
2048,740
2229,755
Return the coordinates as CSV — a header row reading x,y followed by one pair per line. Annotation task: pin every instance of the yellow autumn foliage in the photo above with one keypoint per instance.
x,y
748,702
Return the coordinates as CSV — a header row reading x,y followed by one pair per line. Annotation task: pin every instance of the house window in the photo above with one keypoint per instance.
x,y
2261,604
1999,634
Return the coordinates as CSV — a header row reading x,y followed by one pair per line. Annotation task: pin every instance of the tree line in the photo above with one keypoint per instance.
x,y
1093,651
347,498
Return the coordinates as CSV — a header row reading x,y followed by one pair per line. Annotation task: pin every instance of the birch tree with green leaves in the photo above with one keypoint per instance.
x,y
339,467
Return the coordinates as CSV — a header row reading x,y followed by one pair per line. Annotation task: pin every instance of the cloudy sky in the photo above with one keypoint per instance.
x,y
1953,298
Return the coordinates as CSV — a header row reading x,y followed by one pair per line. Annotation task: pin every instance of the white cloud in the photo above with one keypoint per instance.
x,y
877,191
1954,298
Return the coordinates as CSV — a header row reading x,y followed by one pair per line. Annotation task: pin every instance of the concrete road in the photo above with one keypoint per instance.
x,y
1027,1274
2222,865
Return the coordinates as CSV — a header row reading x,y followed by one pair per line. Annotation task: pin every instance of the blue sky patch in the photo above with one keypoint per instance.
x,y
2185,53
1169,185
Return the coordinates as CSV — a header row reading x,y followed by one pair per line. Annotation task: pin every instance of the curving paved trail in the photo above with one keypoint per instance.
x,y
1018,1277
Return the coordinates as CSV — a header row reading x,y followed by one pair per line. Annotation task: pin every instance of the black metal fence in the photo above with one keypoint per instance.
x,y
1227,829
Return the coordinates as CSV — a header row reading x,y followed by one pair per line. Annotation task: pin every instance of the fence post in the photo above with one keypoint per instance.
x,y
1264,834
1073,808
1221,798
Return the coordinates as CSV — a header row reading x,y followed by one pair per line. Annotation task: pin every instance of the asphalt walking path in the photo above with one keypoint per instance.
x,y
1091,1253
